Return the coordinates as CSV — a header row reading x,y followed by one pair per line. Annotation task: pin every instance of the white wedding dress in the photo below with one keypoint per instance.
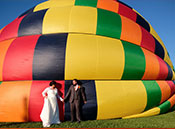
x,y
50,112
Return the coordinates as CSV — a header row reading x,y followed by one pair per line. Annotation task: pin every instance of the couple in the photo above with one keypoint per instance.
x,y
50,111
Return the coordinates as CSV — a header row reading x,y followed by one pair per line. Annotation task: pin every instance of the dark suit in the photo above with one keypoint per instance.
x,y
75,101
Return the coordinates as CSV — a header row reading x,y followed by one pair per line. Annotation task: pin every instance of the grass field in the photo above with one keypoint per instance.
x,y
160,121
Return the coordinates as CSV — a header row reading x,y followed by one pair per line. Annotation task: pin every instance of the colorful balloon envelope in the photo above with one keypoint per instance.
x,y
119,58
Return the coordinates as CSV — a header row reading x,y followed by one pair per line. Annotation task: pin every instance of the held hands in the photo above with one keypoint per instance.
x,y
62,100
85,102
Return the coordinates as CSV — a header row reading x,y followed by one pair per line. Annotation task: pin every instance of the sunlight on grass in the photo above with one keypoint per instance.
x,y
160,121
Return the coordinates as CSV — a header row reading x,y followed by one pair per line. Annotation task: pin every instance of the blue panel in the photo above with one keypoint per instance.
x,y
49,57
159,49
32,23
170,73
142,22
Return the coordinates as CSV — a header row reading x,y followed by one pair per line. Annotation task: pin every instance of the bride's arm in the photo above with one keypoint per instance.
x,y
44,92
61,99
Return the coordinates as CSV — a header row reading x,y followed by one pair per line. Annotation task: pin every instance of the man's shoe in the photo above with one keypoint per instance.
x,y
79,121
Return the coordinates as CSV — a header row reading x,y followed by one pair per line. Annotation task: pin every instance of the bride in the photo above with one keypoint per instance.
x,y
50,112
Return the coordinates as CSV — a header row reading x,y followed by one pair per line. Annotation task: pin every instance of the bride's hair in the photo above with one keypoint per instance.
x,y
52,83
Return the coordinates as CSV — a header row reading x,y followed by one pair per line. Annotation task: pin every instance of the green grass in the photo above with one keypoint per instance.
x,y
160,121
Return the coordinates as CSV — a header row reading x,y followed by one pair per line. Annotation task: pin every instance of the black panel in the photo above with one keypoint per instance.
x,y
170,73
142,22
124,4
27,12
89,110
49,57
32,23
159,49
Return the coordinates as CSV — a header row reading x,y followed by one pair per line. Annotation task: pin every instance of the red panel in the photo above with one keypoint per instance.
x,y
127,12
19,59
172,87
163,72
11,30
36,99
148,41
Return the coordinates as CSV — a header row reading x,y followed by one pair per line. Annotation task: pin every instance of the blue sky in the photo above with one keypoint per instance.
x,y
159,13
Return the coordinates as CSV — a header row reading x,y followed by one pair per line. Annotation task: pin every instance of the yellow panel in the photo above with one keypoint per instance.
x,y
14,100
93,57
55,21
54,3
117,99
111,59
81,57
83,19
151,112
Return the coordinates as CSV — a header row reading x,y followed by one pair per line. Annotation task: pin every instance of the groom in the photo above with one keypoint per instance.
x,y
74,94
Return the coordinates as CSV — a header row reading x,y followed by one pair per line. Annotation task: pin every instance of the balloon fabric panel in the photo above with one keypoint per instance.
x,y
142,22
108,24
170,73
131,31
165,107
153,94
134,59
159,49
151,71
112,6
83,20
11,30
163,72
102,62
172,87
32,23
14,103
113,100
148,41
19,59
92,3
127,12
49,57
172,100
3,50
165,90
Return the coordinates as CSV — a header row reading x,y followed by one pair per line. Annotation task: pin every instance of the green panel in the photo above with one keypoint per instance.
x,y
91,3
153,94
134,61
108,24
0,83
165,107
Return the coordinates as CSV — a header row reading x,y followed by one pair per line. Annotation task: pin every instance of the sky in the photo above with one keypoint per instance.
x,y
159,13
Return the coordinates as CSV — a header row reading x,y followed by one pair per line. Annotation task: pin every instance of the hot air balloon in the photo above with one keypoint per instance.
x,y
119,58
